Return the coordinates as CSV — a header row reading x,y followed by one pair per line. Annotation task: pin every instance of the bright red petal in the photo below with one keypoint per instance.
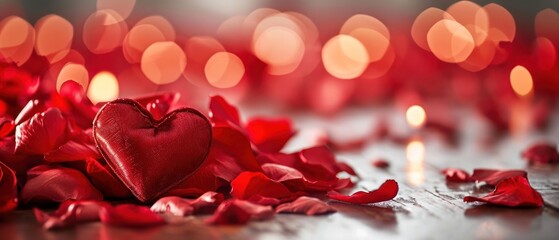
x,y
381,163
456,175
57,184
493,177
184,207
130,215
6,126
235,144
104,180
387,191
248,184
269,135
31,108
306,205
73,151
70,213
541,153
511,192
221,112
237,211
42,133
8,189
159,105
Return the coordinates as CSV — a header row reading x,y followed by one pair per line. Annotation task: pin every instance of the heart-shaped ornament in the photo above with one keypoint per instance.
x,y
151,156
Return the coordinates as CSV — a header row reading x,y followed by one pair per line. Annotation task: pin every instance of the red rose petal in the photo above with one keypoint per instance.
x,y
169,99
235,144
248,184
294,179
8,189
306,205
237,211
6,126
493,177
42,133
184,207
18,163
387,191
381,163
221,112
57,184
73,101
73,151
104,180
511,192
130,215
269,135
31,108
541,153
70,213
456,175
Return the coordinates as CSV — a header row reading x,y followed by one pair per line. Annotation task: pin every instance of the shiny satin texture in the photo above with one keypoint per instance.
x,y
151,156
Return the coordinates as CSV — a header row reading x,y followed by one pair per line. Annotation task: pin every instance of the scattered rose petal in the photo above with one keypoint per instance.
x,y
70,213
269,135
159,105
31,108
42,133
456,175
248,184
103,179
541,153
184,207
387,191
238,212
6,126
18,163
8,189
511,192
130,215
73,151
307,205
221,112
493,177
57,184
381,163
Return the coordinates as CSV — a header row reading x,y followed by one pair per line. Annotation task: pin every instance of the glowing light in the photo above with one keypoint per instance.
x,y
103,88
279,46
471,16
198,50
163,62
521,81
345,57
122,7
75,72
502,27
161,24
415,154
543,26
224,70
103,31
545,51
380,68
424,21
17,38
416,116
364,21
450,41
480,57
138,39
375,43
54,36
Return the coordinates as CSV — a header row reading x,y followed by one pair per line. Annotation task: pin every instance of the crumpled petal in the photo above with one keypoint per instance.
x,y
70,213
511,192
57,184
269,135
235,211
73,150
248,184
541,153
103,179
232,142
8,189
72,101
32,107
493,177
306,205
387,191
18,163
130,215
223,113
184,207
42,133
457,175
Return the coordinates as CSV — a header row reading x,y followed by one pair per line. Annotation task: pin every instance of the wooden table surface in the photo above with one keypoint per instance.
x,y
425,208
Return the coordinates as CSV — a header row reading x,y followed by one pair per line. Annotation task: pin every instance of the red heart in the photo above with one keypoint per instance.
x,y
151,156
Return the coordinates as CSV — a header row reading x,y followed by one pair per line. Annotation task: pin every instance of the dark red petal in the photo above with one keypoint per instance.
x,y
237,211
70,213
6,126
493,177
221,112
42,133
456,175
248,184
184,207
541,153
104,180
57,184
19,163
73,101
387,191
269,135
8,189
306,205
130,215
73,151
511,192
381,163
31,108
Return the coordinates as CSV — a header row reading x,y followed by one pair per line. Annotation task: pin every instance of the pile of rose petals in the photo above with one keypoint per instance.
x,y
48,155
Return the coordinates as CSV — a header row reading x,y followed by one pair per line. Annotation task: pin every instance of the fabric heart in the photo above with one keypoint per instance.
x,y
151,156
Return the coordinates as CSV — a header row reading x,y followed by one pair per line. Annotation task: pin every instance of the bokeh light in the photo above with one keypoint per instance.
x,y
416,116
521,81
224,70
163,62
122,7
103,31
345,57
17,40
450,41
103,88
54,37
74,72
